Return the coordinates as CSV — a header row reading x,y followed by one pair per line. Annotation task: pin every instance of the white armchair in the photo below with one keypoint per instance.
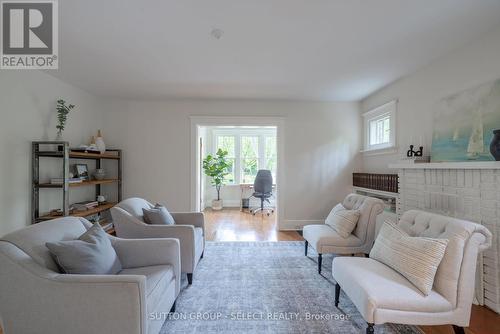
x,y
382,295
324,239
189,228
36,298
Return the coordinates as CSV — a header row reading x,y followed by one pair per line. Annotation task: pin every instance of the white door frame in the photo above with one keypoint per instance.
x,y
278,122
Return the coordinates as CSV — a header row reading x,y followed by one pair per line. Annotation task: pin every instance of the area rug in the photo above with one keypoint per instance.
x,y
265,287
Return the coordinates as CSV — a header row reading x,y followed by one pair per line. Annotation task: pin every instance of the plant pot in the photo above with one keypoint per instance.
x,y
217,204
495,145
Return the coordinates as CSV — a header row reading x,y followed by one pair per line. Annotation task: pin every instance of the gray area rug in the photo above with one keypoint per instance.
x,y
265,287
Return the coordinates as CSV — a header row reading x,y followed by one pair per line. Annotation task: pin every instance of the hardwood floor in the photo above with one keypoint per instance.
x,y
233,225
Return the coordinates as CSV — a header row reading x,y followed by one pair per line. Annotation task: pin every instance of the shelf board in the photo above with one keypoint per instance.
x,y
81,184
100,208
79,155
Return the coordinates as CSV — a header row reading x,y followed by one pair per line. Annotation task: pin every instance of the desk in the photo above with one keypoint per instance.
x,y
246,187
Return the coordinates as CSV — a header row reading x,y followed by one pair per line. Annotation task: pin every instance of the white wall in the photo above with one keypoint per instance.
x,y
473,64
322,141
27,113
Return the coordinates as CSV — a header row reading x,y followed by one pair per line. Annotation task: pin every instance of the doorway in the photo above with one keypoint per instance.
x,y
252,144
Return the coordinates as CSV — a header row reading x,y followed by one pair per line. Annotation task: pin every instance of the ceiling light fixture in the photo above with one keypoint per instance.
x,y
217,33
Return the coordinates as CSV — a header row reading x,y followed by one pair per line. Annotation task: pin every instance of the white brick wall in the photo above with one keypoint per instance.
x,y
471,194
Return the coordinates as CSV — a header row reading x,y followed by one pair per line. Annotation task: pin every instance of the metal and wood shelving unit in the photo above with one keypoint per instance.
x,y
64,153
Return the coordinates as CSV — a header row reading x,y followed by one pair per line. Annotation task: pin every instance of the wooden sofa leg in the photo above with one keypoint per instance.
x,y
367,255
172,309
320,260
337,294
307,245
370,329
458,329
190,278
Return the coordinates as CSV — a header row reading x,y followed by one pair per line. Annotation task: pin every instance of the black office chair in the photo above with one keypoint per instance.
x,y
263,189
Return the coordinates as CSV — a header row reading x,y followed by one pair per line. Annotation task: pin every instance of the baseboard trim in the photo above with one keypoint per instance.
x,y
297,225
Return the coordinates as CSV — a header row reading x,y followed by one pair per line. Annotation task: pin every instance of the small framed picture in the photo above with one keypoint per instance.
x,y
82,171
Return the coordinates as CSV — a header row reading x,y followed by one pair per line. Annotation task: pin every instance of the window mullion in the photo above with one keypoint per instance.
x,y
237,159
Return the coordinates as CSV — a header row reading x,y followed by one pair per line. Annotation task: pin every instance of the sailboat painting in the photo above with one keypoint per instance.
x,y
464,124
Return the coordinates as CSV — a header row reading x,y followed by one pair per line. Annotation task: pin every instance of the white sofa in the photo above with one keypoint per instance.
x,y
382,295
36,298
324,239
189,228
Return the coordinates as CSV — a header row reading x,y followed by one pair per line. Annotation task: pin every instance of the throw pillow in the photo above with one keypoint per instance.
x,y
92,254
158,215
416,258
343,221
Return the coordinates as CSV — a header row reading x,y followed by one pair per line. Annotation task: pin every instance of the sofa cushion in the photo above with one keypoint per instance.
x,y
158,279
32,239
342,220
372,285
368,208
158,215
425,224
323,235
92,254
416,258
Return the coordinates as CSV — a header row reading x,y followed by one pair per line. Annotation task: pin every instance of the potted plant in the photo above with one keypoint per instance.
x,y
217,167
62,116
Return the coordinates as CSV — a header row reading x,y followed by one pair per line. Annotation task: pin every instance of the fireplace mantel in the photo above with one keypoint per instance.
x,y
448,165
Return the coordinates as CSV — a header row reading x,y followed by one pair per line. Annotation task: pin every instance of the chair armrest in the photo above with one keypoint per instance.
x,y
196,219
135,253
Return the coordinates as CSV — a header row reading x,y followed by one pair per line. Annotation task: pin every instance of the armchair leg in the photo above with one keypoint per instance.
x,y
337,294
458,329
320,260
367,255
202,253
190,278
370,329
172,309
307,244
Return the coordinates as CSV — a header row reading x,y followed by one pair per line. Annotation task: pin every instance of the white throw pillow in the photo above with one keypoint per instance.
x,y
416,258
343,221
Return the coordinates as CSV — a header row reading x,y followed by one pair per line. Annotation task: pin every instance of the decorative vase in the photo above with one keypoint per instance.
x,y
99,174
217,204
59,137
495,145
99,142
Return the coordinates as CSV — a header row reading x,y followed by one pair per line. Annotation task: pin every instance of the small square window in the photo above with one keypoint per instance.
x,y
380,127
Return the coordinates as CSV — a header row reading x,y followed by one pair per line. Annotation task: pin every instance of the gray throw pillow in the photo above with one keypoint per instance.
x,y
158,215
91,254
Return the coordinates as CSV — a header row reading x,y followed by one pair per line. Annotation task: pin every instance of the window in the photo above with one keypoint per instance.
x,y
380,127
227,143
249,151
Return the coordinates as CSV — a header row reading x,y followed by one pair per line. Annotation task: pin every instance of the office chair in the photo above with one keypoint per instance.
x,y
263,189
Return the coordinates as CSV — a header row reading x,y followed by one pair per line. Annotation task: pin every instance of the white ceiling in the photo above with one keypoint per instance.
x,y
278,49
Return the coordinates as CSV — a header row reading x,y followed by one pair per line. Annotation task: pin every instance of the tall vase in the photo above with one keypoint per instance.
x,y
99,142
495,145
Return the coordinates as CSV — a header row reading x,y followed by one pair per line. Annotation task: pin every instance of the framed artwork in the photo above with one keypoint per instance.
x,y
464,124
82,171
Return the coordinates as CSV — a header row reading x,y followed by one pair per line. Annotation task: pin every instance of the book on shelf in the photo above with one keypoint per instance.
x,y
60,180
84,206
